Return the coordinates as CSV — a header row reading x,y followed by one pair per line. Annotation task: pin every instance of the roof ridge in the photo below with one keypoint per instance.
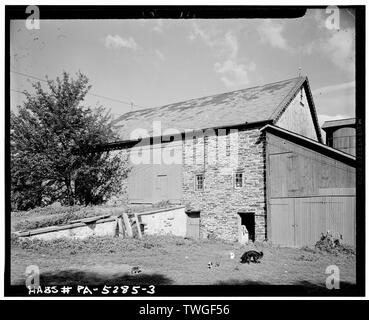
x,y
212,95
291,94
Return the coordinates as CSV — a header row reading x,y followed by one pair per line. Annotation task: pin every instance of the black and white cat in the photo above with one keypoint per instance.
x,y
251,256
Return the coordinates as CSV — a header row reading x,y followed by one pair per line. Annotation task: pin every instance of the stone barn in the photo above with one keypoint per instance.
x,y
248,165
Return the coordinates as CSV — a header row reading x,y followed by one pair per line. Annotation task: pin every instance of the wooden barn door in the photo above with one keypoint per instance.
x,y
193,225
298,222
283,220
161,187
309,220
140,181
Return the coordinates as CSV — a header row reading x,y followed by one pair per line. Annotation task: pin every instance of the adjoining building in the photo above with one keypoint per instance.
x,y
341,135
250,160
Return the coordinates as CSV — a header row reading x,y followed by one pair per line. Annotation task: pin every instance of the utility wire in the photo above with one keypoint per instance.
x,y
89,93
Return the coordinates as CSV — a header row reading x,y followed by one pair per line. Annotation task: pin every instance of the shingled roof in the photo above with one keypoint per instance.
x,y
250,105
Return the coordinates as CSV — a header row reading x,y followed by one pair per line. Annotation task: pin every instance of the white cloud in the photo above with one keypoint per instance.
x,y
340,49
231,45
337,46
205,35
233,73
271,32
160,55
117,42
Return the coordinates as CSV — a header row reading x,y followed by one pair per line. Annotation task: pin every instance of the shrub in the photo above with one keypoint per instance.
x,y
327,243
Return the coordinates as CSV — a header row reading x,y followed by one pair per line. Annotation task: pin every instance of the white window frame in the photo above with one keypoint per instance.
x,y
203,181
235,179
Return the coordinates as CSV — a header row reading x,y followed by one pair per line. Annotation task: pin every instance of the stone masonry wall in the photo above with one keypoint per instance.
x,y
220,201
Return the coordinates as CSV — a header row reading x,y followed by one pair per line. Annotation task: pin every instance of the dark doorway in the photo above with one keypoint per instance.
x,y
248,220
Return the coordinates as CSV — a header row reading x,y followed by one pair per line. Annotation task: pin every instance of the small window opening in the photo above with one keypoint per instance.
x,y
199,182
228,145
238,180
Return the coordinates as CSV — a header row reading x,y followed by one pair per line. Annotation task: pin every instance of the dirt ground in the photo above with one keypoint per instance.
x,y
172,261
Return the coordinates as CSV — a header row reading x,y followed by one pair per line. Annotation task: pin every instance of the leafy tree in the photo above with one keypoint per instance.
x,y
53,137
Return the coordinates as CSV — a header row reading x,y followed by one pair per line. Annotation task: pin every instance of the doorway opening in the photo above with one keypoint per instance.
x,y
193,225
247,224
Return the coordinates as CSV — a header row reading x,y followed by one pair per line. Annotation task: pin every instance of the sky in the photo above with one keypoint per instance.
x,y
134,64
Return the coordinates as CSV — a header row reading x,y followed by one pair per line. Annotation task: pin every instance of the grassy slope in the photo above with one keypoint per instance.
x,y
57,215
170,260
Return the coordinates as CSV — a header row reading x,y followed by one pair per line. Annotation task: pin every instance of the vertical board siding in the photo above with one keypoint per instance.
x,y
297,171
298,222
297,117
193,225
282,222
154,183
344,139
308,194
140,184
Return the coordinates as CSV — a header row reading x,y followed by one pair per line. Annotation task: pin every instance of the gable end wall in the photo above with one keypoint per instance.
x,y
297,117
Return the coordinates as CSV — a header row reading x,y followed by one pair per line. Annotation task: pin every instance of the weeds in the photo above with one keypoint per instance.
x,y
327,243
106,245
54,215
52,220
307,257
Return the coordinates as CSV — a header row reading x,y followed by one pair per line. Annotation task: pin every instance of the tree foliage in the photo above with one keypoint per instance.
x,y
52,138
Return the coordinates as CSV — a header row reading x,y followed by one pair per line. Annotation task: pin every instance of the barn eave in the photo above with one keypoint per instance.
x,y
311,144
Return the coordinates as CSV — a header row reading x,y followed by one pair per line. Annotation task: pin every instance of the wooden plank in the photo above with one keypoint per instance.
x,y
127,224
90,219
121,232
138,227
337,191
